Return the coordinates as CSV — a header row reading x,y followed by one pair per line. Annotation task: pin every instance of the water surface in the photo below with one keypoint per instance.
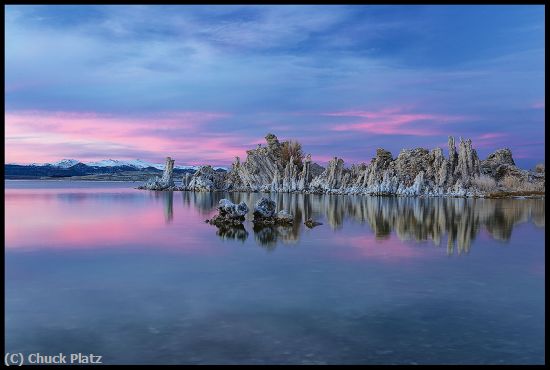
x,y
139,277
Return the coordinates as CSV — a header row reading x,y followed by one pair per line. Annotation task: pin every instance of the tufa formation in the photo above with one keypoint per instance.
x,y
414,172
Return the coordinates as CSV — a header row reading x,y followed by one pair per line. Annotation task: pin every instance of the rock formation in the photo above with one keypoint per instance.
x,y
264,208
229,214
204,179
265,214
501,167
305,175
233,180
265,170
186,180
165,182
414,172
499,164
331,178
262,165
168,170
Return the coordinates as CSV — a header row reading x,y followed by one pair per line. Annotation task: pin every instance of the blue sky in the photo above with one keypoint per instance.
x,y
205,83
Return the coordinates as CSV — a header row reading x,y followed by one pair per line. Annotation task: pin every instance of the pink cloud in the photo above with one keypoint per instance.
x,y
538,105
393,121
522,153
34,136
492,135
489,140
21,85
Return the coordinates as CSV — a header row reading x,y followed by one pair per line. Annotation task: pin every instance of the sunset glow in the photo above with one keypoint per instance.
x,y
205,83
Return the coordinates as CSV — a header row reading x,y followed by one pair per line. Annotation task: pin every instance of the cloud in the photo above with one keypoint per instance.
x,y
261,64
394,122
538,105
33,135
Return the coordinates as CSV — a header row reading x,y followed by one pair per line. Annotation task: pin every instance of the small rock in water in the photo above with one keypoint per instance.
x,y
265,208
265,214
311,224
229,213
231,210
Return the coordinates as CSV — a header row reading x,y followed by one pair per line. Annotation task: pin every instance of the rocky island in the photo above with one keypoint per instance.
x,y
280,167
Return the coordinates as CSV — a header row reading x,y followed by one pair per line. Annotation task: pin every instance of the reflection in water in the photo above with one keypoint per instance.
x,y
416,219
89,253
167,197
203,201
232,232
169,206
269,235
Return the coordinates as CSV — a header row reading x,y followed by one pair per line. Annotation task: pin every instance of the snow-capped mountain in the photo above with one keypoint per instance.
x,y
64,163
116,163
111,167
113,163
135,163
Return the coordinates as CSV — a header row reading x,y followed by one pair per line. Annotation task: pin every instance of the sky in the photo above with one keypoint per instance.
x,y
203,84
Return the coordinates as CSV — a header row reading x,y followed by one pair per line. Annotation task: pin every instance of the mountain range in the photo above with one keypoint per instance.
x,y
73,167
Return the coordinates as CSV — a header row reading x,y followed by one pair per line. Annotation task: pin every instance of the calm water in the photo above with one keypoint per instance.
x,y
138,277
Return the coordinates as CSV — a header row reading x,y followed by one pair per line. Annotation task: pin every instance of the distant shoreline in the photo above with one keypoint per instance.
x,y
69,179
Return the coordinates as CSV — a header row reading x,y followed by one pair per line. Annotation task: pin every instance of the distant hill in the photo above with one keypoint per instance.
x,y
73,167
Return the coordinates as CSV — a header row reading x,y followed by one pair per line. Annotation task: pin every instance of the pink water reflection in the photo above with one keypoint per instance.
x,y
75,215
368,246
100,218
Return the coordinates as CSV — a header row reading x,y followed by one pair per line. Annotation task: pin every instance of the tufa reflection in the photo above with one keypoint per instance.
x,y
233,232
418,219
167,198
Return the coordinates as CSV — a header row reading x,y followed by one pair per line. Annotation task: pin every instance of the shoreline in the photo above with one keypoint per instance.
x,y
494,195
500,195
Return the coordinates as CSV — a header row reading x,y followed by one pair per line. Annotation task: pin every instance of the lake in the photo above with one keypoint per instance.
x,y
138,277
